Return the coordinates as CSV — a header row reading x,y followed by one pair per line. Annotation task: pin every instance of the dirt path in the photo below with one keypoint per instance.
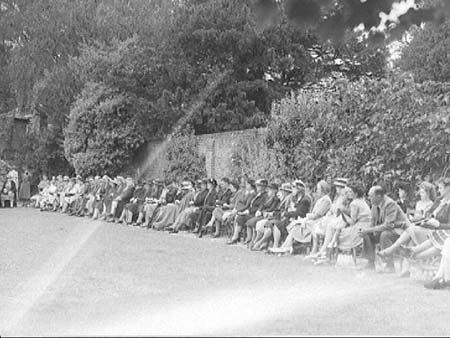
x,y
70,276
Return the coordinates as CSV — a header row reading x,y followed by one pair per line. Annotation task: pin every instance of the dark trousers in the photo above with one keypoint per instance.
x,y
385,238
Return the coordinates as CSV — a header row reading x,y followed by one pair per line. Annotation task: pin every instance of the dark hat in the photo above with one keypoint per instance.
x,y
212,181
273,186
251,182
262,182
236,185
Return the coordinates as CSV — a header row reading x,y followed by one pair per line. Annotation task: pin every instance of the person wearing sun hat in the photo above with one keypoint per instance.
x,y
269,206
264,228
250,210
299,206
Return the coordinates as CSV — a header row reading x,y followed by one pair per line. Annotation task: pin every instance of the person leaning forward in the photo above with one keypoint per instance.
x,y
388,222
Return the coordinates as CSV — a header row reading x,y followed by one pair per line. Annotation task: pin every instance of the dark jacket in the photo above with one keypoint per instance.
x,y
200,198
270,205
224,197
302,207
244,201
257,203
209,203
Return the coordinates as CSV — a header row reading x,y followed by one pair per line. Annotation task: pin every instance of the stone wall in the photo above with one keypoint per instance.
x,y
217,149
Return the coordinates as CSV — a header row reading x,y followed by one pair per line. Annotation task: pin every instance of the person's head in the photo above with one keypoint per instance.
x,y
427,191
211,184
261,185
204,184
234,186
322,188
357,190
340,184
298,188
376,195
250,185
285,190
243,180
44,177
444,187
402,191
272,189
225,183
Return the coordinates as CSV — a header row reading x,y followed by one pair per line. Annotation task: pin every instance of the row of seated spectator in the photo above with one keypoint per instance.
x,y
273,218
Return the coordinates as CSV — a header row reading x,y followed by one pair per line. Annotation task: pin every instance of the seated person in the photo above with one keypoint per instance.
x,y
331,221
414,233
299,226
438,221
130,209
256,197
345,235
224,196
183,219
169,211
264,228
237,203
8,194
388,222
269,206
208,207
44,183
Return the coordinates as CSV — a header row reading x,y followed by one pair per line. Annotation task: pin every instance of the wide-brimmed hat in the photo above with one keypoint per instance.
x,y
66,178
273,186
340,182
262,182
198,182
251,182
286,187
186,185
300,183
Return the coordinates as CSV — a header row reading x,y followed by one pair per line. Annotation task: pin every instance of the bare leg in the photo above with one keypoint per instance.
x,y
276,237
267,235
404,238
315,244
422,247
329,232
428,253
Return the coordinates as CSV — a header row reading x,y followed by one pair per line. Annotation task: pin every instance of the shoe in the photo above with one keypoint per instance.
x,y
232,242
311,257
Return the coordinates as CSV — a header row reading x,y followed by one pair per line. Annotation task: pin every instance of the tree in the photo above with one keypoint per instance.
x,y
426,56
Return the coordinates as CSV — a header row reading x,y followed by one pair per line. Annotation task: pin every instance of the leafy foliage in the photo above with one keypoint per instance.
x,y
183,159
426,56
366,130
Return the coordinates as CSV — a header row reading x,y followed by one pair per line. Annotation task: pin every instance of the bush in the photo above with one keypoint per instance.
x,y
183,158
366,130
104,131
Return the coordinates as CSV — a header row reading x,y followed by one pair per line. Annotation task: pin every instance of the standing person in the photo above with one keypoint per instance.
x,y
388,222
25,190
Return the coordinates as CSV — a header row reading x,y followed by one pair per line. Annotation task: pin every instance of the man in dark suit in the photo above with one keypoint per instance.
x,y
388,222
